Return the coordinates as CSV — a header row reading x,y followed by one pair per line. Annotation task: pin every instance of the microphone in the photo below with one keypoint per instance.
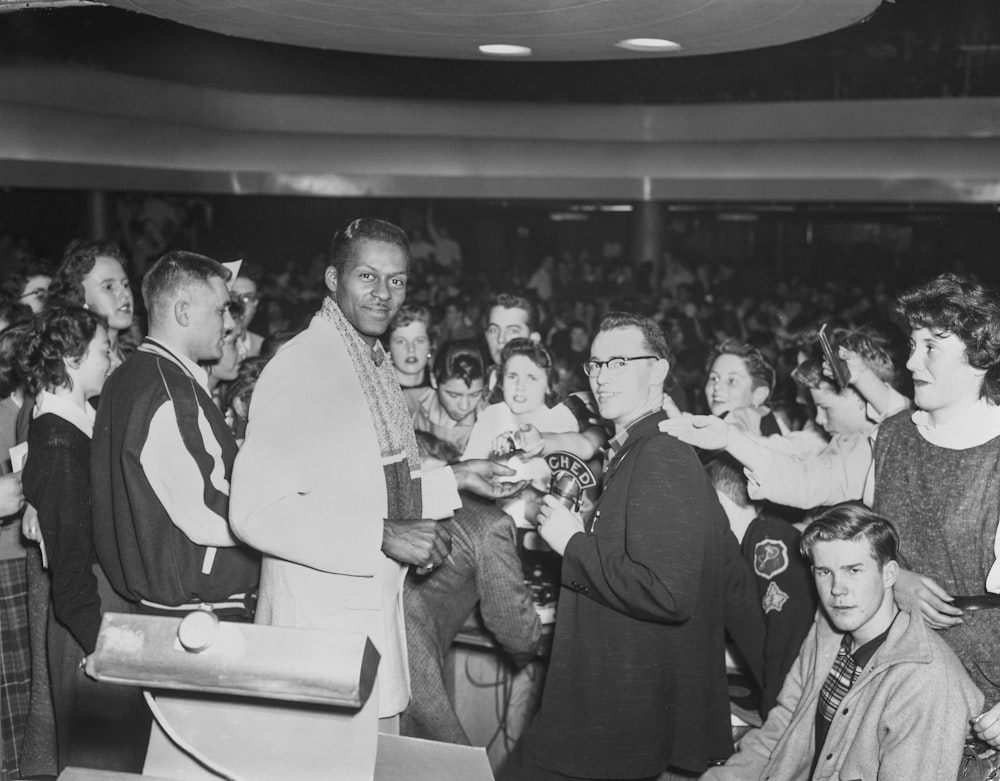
x,y
566,490
570,478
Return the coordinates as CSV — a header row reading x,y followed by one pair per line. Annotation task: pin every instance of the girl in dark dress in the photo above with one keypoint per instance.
x,y
65,360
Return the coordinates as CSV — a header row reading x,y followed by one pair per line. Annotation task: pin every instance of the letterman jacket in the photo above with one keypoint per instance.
x,y
160,512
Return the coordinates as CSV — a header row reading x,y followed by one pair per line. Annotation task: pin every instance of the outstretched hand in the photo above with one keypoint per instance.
x,y
705,431
526,438
487,478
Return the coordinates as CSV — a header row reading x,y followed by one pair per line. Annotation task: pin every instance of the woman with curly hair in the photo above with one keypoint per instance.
x,y
937,475
65,359
92,276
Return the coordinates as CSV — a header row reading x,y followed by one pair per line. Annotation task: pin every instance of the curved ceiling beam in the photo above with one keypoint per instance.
x,y
89,129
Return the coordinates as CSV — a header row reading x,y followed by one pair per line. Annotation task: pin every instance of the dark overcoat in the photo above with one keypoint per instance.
x,y
637,678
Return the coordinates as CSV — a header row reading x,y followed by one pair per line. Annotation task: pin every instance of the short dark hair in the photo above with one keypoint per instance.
x,y
872,347
538,355
55,334
345,242
850,521
952,304
78,261
410,313
761,371
513,301
25,269
809,374
729,480
460,359
175,271
652,334
431,446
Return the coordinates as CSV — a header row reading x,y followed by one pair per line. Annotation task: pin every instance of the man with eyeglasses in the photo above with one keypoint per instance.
x,y
636,686
28,283
244,289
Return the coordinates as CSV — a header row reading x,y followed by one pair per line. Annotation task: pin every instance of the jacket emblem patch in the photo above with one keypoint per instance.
x,y
770,558
774,598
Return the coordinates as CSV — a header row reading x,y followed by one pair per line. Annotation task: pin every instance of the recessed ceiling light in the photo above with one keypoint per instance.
x,y
505,50
648,45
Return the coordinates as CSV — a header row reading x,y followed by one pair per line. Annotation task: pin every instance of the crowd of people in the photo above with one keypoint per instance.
x,y
759,477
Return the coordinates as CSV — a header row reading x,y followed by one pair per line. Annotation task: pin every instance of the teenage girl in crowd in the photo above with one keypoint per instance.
x,y
513,429
65,359
410,346
92,275
449,410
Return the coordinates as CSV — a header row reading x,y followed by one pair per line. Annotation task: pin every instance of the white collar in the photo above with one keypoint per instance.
x,y
83,419
197,372
973,427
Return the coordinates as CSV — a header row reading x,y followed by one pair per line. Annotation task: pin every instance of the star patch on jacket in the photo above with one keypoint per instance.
x,y
774,598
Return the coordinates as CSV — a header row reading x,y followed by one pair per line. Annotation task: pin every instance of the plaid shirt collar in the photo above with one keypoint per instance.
x,y
617,442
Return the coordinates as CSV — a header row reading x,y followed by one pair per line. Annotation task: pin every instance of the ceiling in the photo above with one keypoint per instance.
x,y
554,30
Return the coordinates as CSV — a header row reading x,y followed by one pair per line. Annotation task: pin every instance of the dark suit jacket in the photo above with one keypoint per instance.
x,y
637,678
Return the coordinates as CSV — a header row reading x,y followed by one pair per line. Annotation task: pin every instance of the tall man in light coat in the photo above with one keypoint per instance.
x,y
328,482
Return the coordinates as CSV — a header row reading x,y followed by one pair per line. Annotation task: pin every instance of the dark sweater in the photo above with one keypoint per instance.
x,y
56,481
146,556
945,505
637,676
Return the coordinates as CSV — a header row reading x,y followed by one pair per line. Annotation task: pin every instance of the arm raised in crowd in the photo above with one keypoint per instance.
x,y
883,398
584,444
835,474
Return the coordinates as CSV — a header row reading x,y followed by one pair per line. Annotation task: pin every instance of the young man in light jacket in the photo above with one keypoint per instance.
x,y
873,693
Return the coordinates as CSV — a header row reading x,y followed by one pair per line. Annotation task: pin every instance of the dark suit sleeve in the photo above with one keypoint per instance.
x,y
57,483
652,568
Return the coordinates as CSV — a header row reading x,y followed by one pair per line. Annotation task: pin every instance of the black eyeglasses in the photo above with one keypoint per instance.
x,y
246,298
614,365
41,293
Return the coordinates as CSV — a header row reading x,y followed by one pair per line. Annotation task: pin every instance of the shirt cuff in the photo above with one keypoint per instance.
x,y
756,478
440,492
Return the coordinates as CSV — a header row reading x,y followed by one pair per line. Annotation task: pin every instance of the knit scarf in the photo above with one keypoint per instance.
x,y
386,406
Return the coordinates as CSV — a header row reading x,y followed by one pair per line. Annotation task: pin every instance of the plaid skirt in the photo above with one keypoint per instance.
x,y
15,664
